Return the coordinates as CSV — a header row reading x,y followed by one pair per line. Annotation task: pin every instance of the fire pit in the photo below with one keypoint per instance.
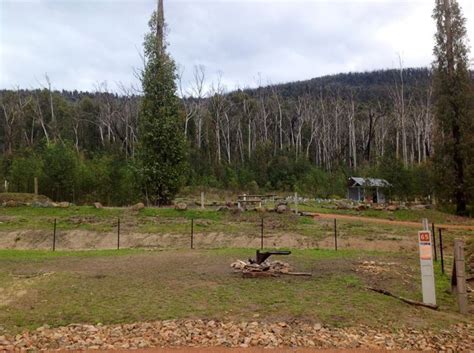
x,y
262,267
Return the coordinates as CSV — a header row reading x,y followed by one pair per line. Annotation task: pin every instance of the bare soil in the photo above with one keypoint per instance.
x,y
89,240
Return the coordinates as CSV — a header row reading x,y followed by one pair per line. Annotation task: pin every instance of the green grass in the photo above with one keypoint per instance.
x,y
97,286
188,214
38,255
76,217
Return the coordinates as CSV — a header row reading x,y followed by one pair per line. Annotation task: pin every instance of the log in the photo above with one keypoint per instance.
x,y
297,274
259,274
406,300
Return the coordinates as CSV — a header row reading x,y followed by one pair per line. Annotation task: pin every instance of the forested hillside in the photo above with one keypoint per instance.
x,y
307,136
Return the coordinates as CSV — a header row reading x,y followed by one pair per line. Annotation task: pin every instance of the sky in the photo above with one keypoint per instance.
x,y
86,44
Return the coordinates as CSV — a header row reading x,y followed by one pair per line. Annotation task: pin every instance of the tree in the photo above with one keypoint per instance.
x,y
453,94
60,166
161,148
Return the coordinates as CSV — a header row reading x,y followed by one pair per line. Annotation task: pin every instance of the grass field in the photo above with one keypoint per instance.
x,y
60,288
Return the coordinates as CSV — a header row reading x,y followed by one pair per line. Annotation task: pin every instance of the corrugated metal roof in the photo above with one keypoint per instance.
x,y
369,182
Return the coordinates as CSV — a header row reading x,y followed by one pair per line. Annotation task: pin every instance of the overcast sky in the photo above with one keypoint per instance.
x,y
81,43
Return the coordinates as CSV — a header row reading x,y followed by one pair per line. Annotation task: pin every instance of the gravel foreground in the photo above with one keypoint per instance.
x,y
203,333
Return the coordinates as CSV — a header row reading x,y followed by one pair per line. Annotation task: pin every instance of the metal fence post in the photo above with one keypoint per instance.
x,y
192,233
261,235
54,235
441,248
335,234
118,233
434,241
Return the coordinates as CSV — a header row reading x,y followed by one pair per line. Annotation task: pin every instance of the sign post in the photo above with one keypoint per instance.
x,y
425,242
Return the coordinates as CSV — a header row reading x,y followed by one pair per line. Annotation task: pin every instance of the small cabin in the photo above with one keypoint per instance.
x,y
367,189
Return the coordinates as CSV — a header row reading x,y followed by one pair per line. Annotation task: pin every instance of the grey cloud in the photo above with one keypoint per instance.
x,y
82,42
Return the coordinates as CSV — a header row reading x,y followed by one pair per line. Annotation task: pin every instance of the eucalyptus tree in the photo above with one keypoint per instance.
x,y
454,99
161,149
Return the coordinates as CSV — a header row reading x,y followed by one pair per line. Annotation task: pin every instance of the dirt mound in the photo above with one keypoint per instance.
x,y
22,199
87,240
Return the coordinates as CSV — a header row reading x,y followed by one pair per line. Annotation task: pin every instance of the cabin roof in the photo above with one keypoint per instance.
x,y
369,182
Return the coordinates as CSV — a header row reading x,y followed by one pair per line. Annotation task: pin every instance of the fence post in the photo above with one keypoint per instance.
x,y
54,235
202,199
6,185
261,235
296,203
192,233
440,231
118,233
434,242
458,279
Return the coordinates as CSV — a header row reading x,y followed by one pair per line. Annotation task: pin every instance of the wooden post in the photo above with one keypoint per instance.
x,y
118,233
458,279
192,233
296,202
202,199
434,242
335,234
6,185
54,235
261,235
425,223
36,186
441,249
425,243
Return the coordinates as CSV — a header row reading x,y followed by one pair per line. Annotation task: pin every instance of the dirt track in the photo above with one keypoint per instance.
x,y
388,221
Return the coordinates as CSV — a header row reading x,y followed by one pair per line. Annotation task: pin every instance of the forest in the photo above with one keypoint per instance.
x,y
307,136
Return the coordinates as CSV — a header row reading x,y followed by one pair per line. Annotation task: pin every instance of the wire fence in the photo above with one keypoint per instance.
x,y
194,234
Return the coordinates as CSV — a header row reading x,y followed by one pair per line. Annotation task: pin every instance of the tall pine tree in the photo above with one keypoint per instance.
x,y
161,149
453,109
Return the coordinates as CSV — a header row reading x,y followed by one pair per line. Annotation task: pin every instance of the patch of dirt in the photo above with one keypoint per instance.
x,y
403,244
375,268
89,240
19,286
85,240
6,219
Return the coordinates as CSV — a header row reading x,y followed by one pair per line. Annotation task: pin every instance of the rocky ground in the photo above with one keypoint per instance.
x,y
202,333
